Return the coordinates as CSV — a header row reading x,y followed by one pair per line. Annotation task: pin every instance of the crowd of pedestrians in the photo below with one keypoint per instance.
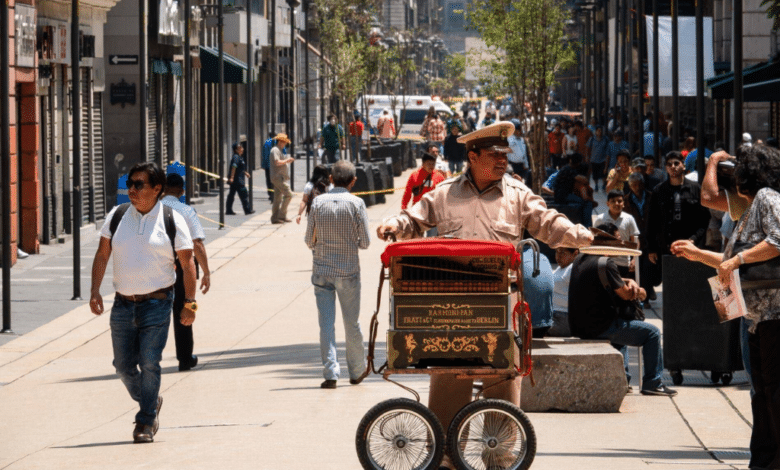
x,y
654,200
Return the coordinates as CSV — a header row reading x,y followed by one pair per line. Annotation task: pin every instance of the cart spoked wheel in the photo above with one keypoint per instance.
x,y
491,434
677,376
400,434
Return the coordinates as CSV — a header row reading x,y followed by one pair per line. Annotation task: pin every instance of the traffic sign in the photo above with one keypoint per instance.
x,y
123,59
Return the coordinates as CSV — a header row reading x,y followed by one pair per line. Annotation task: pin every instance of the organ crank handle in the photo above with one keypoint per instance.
x,y
535,246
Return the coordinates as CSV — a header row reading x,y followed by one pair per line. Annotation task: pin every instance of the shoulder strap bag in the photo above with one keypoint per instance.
x,y
760,275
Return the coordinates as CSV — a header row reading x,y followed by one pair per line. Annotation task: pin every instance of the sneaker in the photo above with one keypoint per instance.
x,y
629,389
21,254
143,434
328,384
661,390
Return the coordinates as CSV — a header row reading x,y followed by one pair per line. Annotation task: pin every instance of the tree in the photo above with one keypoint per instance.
x,y
773,11
526,47
346,40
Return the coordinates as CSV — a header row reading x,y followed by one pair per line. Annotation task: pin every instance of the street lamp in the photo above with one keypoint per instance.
x,y
293,4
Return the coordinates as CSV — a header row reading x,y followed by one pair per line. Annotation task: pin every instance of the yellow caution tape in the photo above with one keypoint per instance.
x,y
214,221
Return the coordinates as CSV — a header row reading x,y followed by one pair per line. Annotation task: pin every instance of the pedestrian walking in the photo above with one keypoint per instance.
x,y
318,184
331,139
280,176
356,135
138,235
182,334
384,125
337,227
237,181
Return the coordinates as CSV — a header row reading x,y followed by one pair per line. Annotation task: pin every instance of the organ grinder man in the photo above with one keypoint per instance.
x,y
482,204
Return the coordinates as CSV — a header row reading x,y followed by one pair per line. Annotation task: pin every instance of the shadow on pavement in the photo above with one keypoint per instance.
x,y
95,444
694,453
295,360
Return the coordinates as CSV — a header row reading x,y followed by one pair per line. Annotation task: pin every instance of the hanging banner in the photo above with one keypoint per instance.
x,y
686,27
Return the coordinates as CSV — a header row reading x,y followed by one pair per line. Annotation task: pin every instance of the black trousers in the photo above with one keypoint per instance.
x,y
243,194
182,334
765,364
269,184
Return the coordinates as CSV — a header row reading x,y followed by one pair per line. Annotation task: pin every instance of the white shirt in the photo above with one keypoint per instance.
x,y
626,226
143,258
189,214
561,279
519,153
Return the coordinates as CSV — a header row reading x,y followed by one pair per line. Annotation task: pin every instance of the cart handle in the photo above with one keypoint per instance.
x,y
535,247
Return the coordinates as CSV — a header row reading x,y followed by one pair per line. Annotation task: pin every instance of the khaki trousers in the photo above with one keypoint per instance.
x,y
282,198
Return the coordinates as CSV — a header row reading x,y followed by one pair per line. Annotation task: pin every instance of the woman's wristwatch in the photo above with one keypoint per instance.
x,y
191,304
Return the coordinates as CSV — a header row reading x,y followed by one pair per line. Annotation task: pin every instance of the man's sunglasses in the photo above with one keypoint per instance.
x,y
137,184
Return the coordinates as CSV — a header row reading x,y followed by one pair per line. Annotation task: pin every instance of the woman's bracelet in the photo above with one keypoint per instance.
x,y
741,259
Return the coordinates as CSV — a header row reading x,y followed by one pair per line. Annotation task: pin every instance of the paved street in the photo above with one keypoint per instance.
x,y
254,401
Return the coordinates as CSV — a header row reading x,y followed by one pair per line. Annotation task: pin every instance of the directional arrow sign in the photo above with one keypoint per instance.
x,y
123,59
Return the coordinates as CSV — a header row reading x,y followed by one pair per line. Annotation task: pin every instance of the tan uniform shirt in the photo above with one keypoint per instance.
x,y
501,212
279,173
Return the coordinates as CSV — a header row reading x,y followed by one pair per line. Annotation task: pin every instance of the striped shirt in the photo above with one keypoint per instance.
x,y
337,227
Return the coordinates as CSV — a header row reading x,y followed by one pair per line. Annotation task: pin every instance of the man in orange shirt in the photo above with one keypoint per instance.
x,y
356,136
583,135
421,181
554,142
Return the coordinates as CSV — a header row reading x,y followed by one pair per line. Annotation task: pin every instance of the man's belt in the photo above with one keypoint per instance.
x,y
161,294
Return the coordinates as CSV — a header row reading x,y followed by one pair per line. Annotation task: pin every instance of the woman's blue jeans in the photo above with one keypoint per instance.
x,y
139,332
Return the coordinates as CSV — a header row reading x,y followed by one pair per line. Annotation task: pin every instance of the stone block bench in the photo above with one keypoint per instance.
x,y
584,376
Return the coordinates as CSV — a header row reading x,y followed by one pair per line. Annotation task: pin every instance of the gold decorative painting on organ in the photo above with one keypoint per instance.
x,y
450,310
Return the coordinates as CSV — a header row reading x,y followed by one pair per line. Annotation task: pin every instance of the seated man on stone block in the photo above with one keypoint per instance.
x,y
601,307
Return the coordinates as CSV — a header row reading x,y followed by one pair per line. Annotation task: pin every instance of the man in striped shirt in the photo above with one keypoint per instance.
x,y
337,228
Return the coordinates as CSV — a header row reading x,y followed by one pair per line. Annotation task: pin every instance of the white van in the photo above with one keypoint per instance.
x,y
411,117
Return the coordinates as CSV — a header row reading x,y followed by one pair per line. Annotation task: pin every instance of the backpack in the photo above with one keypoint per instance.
x,y
266,161
170,225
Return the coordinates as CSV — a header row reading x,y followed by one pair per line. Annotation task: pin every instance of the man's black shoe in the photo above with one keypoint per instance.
x,y
661,390
187,365
355,381
230,213
328,384
250,212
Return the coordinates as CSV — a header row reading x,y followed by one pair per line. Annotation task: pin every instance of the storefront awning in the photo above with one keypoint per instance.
x,y
163,67
758,81
235,70
176,68
160,66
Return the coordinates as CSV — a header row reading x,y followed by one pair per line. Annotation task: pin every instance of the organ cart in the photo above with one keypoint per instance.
x,y
451,312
